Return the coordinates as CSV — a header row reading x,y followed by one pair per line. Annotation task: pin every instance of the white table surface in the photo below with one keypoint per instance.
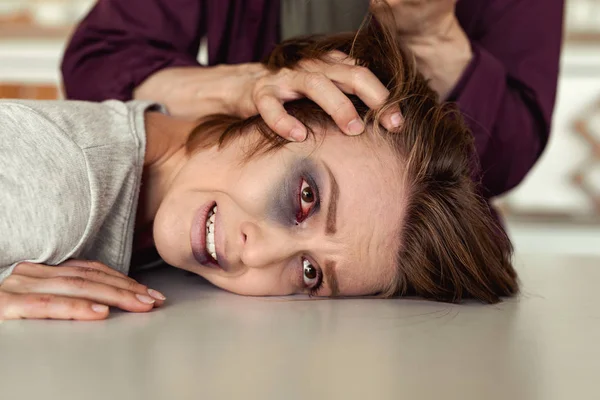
x,y
209,344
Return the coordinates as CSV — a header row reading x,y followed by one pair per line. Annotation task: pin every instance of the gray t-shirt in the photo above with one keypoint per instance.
x,y
70,174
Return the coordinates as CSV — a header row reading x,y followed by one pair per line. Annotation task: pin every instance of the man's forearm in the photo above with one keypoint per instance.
x,y
194,92
442,57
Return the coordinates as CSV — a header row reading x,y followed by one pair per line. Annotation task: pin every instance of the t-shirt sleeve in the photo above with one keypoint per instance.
x,y
44,210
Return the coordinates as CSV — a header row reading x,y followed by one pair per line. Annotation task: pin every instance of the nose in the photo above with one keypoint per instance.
x,y
266,245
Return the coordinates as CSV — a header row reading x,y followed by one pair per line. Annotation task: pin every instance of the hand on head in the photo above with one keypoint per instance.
x,y
326,82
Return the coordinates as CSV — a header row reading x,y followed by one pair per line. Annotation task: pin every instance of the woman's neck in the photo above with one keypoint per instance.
x,y
165,156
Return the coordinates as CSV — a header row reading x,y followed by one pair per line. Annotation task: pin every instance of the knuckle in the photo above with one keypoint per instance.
x,y
278,122
39,300
315,80
284,73
261,94
24,267
75,281
96,265
89,272
26,263
359,74
14,282
307,64
344,106
135,286
338,54
120,292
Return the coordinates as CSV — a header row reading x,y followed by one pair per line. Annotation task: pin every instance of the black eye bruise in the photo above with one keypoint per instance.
x,y
284,201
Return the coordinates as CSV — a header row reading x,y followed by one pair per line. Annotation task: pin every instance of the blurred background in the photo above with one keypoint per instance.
x,y
555,211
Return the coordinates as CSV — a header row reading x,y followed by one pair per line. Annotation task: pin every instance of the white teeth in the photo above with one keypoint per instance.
x,y
210,233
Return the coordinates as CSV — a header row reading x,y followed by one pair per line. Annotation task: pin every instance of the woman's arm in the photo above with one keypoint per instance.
x,y
69,173
75,289
121,43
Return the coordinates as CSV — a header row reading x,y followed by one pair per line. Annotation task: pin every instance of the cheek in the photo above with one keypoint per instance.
x,y
171,229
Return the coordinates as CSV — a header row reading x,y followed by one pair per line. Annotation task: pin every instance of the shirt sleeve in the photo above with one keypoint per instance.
x,y
507,92
38,222
120,43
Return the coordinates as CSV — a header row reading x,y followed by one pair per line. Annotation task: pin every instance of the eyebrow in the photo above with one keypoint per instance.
x,y
330,229
331,277
331,225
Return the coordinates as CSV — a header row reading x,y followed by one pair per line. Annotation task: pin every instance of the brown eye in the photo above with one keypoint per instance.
x,y
307,200
307,194
310,273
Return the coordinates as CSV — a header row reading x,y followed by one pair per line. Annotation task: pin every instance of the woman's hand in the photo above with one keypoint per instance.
x,y
249,89
75,289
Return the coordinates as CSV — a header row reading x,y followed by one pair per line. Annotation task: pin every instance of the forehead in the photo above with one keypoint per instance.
x,y
370,178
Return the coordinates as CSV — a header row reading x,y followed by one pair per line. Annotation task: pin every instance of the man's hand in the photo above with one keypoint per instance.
x,y
422,17
431,31
76,289
245,90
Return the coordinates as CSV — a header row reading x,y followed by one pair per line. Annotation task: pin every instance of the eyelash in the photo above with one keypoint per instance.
x,y
317,287
300,217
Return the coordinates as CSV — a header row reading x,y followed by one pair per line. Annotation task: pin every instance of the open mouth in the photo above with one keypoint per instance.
x,y
203,236
210,234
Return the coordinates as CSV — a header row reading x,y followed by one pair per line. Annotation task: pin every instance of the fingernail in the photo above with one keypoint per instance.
x,y
156,294
396,119
355,127
145,299
297,135
99,308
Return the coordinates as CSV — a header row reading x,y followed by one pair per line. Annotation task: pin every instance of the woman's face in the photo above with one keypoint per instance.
x,y
320,217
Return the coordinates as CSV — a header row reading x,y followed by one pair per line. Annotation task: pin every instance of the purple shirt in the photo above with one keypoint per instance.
x,y
506,93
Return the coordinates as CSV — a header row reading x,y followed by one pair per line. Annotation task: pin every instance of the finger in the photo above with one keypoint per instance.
x,y
320,89
43,306
276,117
91,274
340,57
95,265
75,286
361,82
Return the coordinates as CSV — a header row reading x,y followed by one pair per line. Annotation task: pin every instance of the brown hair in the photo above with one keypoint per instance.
x,y
451,245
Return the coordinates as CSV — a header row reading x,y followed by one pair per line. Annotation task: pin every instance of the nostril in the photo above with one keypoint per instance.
x,y
244,237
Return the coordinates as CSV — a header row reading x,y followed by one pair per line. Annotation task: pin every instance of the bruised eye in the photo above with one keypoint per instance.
x,y
307,201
